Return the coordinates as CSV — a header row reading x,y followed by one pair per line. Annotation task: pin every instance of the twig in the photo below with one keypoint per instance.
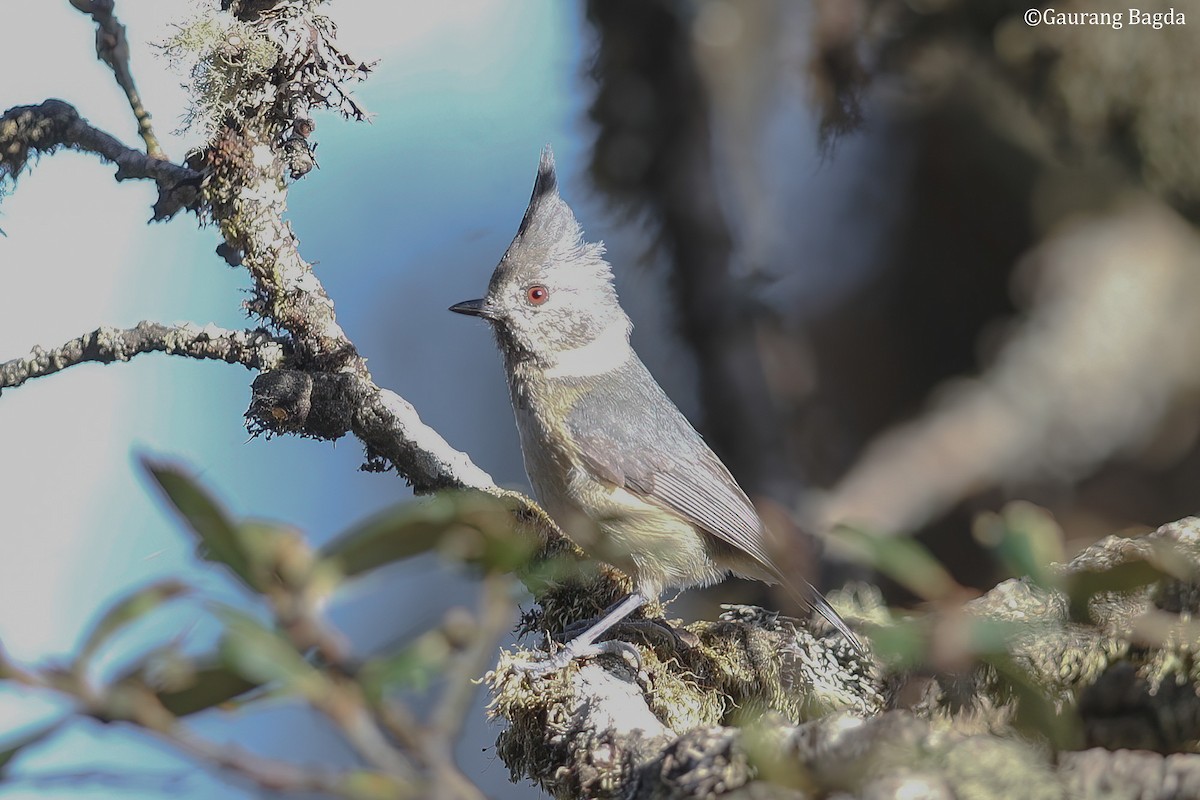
x,y
342,702
268,773
348,711
447,722
112,47
252,349
128,780
42,129
138,705
496,607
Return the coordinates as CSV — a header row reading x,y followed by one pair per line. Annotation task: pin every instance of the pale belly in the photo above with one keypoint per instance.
x,y
657,548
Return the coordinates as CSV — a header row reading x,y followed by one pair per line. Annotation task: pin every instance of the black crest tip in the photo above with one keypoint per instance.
x,y
545,186
546,181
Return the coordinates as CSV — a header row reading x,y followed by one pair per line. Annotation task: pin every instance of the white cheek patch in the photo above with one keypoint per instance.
x,y
603,354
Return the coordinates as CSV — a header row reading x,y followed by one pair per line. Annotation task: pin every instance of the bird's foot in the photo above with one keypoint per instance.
x,y
580,650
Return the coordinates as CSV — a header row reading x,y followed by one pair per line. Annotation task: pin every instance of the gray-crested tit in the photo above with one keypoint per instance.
x,y
610,457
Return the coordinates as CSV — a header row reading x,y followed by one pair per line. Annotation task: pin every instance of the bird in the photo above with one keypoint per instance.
x,y
609,456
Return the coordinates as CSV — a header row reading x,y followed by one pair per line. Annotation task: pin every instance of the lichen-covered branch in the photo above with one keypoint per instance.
x,y
40,130
1101,656
244,191
112,47
252,349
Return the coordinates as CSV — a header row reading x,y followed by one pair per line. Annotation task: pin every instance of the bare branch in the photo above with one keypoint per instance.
x,y
139,706
112,47
127,780
270,774
252,349
456,700
42,129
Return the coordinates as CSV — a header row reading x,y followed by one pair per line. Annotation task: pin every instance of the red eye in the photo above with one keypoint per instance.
x,y
537,294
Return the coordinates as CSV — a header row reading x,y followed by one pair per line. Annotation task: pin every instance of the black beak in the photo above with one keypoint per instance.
x,y
473,308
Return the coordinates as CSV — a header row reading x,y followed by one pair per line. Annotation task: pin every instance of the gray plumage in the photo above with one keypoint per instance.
x,y
609,456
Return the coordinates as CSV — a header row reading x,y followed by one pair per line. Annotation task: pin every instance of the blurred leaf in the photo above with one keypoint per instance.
x,y
1082,586
185,686
909,641
393,535
1037,715
902,643
277,553
361,784
210,686
555,571
773,765
32,736
902,559
987,635
128,610
1174,559
260,655
414,666
217,533
481,526
1025,538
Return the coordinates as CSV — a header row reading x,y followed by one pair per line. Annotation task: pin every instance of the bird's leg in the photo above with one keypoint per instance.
x,y
584,645
649,629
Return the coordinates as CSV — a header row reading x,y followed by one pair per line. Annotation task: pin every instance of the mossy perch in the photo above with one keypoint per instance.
x,y
753,706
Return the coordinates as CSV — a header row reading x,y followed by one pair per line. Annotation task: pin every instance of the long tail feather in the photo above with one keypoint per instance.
x,y
813,599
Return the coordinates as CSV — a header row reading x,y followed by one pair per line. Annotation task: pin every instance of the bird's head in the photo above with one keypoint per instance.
x,y
552,293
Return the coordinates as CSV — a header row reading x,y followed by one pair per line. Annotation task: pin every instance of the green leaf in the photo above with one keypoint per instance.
x,y
29,737
987,635
209,686
414,666
902,559
218,534
1084,585
903,642
413,528
126,611
185,685
1025,538
1037,716
362,784
260,655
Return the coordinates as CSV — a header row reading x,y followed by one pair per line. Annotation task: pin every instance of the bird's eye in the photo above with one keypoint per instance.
x,y
537,294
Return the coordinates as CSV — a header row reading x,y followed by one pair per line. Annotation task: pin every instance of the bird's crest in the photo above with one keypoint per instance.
x,y
545,187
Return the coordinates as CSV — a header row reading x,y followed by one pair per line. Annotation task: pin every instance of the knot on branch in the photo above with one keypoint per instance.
x,y
41,129
317,405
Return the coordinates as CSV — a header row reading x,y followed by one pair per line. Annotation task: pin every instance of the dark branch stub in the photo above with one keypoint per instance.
x,y
27,131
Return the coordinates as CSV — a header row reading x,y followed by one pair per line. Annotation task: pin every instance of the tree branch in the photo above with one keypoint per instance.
x,y
255,349
1079,667
112,47
139,706
42,129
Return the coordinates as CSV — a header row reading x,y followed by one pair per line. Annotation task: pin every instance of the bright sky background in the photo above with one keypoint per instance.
x,y
406,216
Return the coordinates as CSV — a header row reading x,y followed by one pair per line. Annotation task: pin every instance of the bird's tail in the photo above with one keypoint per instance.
x,y
810,598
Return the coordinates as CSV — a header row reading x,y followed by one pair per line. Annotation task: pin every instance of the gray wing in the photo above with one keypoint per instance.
x,y
630,433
